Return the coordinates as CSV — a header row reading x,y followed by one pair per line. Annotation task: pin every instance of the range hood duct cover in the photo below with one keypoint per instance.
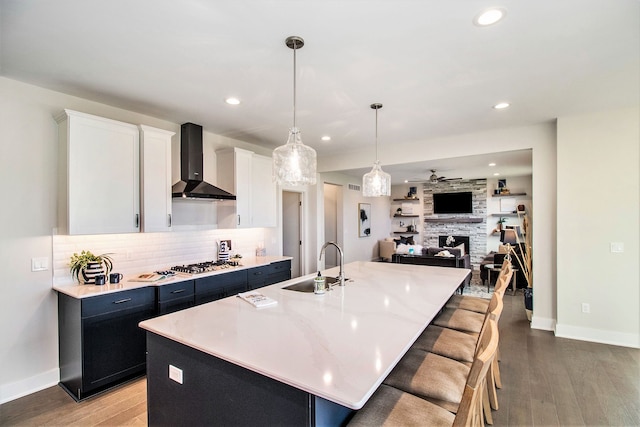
x,y
191,184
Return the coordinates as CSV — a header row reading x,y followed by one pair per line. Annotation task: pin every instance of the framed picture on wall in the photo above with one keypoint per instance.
x,y
364,219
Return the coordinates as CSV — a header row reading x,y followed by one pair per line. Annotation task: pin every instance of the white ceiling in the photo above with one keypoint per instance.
x,y
436,73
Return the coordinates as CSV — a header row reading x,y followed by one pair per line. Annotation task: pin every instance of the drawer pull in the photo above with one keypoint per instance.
x,y
178,291
258,273
120,301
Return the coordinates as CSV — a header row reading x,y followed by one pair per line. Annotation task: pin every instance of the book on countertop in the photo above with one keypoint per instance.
x,y
257,299
148,277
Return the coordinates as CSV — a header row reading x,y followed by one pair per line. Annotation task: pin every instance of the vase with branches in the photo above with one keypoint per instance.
x,y
524,258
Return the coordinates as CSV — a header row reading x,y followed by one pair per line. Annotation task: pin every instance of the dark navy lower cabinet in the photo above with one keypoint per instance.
x,y
279,272
220,286
175,297
100,342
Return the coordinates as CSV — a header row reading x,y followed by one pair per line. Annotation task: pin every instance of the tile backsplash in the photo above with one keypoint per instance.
x,y
135,253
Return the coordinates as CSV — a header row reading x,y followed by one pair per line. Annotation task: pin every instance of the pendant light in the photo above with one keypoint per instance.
x,y
377,182
294,163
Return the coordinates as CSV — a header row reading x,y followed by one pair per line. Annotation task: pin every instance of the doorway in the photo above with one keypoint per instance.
x,y
292,230
332,221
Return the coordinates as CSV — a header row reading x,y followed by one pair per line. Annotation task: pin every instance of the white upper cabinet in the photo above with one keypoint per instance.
x,y
155,152
248,177
263,192
100,191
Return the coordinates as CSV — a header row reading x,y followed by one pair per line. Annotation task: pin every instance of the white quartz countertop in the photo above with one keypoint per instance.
x,y
339,346
76,290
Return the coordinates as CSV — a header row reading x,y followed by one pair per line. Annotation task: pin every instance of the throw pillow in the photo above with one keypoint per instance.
x,y
461,248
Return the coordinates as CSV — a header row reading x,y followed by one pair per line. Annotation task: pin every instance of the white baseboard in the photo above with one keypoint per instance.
x,y
542,323
598,335
15,390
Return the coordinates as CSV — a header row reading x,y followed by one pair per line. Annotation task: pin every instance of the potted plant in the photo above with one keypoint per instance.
x,y
501,221
88,265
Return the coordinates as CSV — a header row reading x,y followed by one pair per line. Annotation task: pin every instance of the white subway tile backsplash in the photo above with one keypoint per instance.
x,y
135,253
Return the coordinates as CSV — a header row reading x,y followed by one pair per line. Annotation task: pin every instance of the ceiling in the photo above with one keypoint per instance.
x,y
436,73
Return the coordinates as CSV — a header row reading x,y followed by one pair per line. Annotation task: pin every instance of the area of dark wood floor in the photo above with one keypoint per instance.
x,y
547,381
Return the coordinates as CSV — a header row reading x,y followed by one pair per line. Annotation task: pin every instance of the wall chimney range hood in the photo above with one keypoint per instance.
x,y
191,184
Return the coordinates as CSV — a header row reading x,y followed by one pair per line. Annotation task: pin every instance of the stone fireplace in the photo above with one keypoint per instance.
x,y
472,228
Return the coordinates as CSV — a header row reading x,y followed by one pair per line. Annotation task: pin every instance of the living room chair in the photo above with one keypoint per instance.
x,y
390,406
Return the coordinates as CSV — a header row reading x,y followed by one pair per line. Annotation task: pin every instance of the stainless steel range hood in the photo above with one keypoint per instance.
x,y
191,184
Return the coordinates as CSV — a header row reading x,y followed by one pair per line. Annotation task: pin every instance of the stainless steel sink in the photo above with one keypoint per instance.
x,y
308,285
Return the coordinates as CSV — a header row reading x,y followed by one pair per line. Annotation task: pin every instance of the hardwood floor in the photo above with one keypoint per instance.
x,y
547,381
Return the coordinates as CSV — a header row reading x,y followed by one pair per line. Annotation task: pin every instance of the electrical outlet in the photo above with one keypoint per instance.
x,y
617,247
39,264
586,308
175,374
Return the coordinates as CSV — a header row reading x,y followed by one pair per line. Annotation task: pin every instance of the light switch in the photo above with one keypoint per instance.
x,y
39,264
617,247
175,374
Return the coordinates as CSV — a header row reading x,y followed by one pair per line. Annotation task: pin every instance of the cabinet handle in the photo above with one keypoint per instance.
x,y
120,301
169,220
178,291
137,220
257,273
238,220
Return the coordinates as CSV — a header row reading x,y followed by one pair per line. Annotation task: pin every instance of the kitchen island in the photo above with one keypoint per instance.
x,y
308,360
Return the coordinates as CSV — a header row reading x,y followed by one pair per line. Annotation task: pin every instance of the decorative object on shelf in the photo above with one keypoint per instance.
x,y
399,211
364,219
411,195
450,241
84,267
377,182
501,221
294,163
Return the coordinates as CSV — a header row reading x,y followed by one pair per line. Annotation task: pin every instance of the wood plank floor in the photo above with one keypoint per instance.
x,y
547,381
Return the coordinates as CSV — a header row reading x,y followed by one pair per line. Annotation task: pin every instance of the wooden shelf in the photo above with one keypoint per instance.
x,y
406,200
504,214
454,220
405,232
509,195
405,216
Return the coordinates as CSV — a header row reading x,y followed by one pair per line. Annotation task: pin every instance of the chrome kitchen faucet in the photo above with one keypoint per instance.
x,y
341,254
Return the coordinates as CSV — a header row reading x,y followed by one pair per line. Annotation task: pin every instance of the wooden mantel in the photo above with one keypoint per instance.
x,y
463,220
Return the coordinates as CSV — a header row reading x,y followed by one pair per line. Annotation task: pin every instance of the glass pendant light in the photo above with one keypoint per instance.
x,y
294,163
377,182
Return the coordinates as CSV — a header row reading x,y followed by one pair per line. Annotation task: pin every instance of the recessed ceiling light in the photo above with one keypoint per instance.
x,y
489,17
406,181
492,164
501,105
232,101
326,138
496,174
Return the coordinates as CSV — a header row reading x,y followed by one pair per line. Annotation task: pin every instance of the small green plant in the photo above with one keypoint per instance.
x,y
80,262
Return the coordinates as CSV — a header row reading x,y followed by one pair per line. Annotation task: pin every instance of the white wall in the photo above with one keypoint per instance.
x,y
28,170
599,203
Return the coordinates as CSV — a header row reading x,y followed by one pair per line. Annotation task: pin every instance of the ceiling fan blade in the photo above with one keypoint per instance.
x,y
442,179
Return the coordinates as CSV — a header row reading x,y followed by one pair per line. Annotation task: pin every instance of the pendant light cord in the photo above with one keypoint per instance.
x,y
376,134
294,83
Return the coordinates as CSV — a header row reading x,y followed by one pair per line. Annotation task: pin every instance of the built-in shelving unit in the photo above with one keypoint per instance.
x,y
509,195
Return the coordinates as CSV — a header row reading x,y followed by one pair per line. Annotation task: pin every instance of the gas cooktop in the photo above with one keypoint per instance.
x,y
205,267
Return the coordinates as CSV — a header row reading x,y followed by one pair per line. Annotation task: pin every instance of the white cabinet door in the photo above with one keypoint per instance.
x,y
155,151
102,164
248,176
234,175
263,190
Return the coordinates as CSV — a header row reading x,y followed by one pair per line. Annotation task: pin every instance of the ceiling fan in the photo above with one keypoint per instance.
x,y
434,179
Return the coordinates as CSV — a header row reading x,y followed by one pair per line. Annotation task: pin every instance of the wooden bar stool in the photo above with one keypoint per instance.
x,y
390,406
